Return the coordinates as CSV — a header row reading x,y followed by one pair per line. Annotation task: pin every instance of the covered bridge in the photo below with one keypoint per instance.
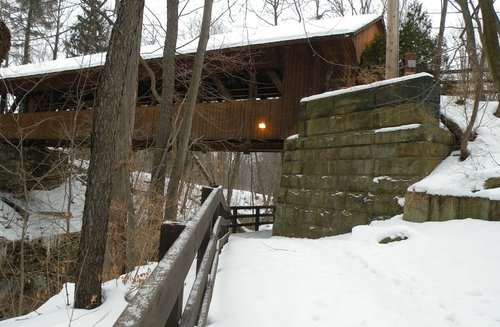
x,y
249,78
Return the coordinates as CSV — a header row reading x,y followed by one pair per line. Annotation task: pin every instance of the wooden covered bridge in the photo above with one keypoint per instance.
x,y
252,84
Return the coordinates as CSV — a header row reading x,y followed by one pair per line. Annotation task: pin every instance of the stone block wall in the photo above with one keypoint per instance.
x,y
357,152
422,207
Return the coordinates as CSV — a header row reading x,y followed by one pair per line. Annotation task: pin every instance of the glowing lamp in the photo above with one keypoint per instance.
x,y
262,125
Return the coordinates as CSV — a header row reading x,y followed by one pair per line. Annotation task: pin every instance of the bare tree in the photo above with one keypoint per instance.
x,y
439,46
476,65
164,128
116,94
185,129
272,8
4,42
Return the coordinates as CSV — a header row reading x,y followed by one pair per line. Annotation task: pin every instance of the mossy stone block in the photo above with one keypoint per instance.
x,y
417,207
444,208
493,182
494,210
319,108
474,207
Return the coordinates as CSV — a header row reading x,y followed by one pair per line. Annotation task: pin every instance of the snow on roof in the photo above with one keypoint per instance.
x,y
242,37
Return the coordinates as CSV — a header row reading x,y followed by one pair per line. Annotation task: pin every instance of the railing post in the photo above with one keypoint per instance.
x,y
234,219
257,219
170,231
205,193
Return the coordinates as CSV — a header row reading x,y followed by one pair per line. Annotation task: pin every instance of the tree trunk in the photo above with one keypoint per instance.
x,y
27,35
490,42
234,167
477,70
185,130
57,35
115,95
439,46
159,170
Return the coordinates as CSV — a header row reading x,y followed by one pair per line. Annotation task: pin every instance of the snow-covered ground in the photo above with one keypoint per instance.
x,y
443,274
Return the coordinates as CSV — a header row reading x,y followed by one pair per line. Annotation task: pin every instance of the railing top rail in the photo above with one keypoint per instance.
x,y
154,298
252,207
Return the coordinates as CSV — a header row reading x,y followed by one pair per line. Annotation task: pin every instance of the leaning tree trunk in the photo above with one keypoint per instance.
x,y
477,70
185,130
116,93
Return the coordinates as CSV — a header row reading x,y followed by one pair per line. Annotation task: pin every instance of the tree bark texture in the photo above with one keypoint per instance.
x,y
439,46
116,92
477,70
188,108
164,128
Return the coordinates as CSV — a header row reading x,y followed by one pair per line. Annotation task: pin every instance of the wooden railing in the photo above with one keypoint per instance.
x,y
159,301
256,214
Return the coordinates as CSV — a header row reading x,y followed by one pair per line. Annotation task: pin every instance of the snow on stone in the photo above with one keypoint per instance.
x,y
363,87
396,128
241,37
467,178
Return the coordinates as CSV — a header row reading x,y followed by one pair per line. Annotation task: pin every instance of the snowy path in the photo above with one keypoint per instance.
x,y
445,274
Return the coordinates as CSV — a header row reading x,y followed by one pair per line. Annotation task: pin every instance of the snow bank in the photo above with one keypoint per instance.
x,y
467,178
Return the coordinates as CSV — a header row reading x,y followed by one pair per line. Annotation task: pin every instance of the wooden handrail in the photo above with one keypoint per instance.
x,y
157,301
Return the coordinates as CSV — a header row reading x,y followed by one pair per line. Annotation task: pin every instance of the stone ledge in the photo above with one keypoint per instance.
x,y
421,207
417,90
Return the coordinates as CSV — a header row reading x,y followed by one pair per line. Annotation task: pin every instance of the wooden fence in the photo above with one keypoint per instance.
x,y
256,214
159,301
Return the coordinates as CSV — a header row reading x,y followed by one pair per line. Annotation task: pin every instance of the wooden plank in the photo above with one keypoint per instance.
x,y
207,298
236,120
170,231
252,86
222,88
154,301
275,79
194,302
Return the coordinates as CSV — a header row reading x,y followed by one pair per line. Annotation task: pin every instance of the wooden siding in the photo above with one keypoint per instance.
x,y
236,120
365,36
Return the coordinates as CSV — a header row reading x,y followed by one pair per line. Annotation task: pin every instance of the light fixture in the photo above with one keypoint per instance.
x,y
262,125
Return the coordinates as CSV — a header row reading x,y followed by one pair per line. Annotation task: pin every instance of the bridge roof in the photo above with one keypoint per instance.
x,y
286,33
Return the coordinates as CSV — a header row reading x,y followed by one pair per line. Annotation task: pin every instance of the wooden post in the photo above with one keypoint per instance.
x,y
233,219
252,86
3,103
392,44
205,192
257,219
169,233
